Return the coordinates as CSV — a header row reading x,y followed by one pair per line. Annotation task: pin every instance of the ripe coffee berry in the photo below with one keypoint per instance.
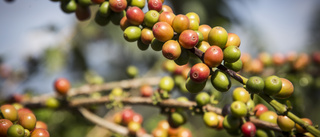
x,y
155,5
213,56
4,126
248,129
146,91
118,5
127,116
259,109
135,15
62,86
199,72
40,132
171,50
188,39
162,31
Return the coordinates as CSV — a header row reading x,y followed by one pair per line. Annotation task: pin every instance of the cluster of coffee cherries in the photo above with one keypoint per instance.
x,y
130,119
16,121
235,117
298,62
163,129
174,35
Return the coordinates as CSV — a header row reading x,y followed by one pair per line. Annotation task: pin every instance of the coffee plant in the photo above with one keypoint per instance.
x,y
201,63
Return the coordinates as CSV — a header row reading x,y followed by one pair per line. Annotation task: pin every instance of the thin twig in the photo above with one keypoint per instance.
x,y
106,124
132,83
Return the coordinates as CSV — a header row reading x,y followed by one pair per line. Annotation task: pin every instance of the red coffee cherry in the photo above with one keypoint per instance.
x,y
166,17
199,72
4,126
171,50
9,112
137,118
259,109
188,39
248,129
22,111
62,86
118,5
135,15
162,31
146,91
213,56
127,116
180,23
155,5
40,132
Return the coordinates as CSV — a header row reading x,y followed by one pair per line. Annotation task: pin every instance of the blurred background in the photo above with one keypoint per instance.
x,y
39,43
